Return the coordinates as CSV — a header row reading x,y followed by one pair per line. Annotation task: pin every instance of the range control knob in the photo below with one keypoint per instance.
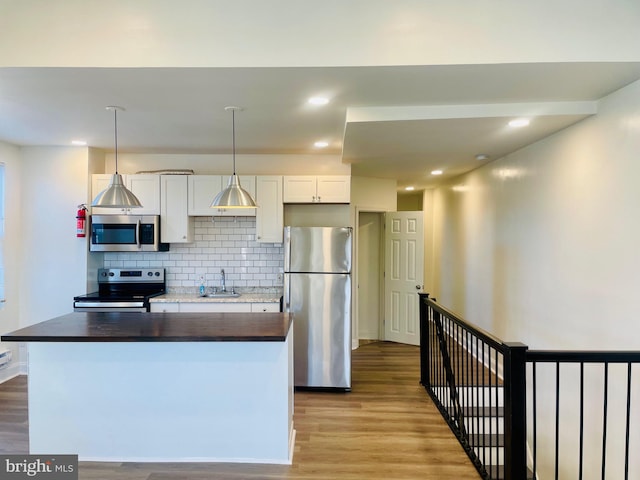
x,y
150,274
111,274
157,274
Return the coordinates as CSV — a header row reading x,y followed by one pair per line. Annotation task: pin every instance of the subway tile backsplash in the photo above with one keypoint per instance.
x,y
225,242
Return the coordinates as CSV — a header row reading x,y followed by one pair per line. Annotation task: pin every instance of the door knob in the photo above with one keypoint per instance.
x,y
418,287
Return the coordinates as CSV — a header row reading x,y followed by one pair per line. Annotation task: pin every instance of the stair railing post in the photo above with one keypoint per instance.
x,y
515,411
425,342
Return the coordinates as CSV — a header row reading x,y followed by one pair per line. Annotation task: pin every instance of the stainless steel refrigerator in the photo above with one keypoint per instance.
x,y
317,290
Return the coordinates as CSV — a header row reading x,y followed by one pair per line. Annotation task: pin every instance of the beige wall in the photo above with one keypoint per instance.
x,y
410,202
374,194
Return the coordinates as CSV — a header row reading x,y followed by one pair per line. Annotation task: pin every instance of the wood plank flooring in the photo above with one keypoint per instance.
x,y
386,428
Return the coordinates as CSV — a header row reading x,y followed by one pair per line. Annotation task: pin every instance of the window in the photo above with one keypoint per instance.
x,y
2,201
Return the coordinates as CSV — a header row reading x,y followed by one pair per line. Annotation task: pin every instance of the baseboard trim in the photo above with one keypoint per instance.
x,y
10,372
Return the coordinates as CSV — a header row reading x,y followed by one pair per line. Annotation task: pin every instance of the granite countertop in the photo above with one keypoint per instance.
x,y
157,327
192,297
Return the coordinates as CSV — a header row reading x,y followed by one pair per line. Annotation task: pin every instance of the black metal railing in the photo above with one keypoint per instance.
x,y
580,414
524,414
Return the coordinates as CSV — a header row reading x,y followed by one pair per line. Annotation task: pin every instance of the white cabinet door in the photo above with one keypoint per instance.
x,y
269,215
175,224
202,190
317,189
333,189
265,307
214,307
99,182
248,183
164,307
299,189
147,189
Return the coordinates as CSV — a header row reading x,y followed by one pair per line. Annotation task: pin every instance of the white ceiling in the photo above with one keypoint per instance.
x,y
390,122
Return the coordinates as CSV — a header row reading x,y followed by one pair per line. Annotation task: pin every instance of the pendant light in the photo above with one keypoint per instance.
x,y
234,196
116,195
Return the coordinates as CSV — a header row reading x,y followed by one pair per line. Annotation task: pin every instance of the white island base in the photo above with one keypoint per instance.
x,y
162,401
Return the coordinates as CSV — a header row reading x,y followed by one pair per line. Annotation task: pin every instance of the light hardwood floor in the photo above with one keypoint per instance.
x,y
386,428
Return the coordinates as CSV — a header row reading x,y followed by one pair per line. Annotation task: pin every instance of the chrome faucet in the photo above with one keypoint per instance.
x,y
224,283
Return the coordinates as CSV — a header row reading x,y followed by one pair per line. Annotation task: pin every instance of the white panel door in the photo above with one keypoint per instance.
x,y
404,276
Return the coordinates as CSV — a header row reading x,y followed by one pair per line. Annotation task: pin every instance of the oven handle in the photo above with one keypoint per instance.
x,y
108,305
138,234
110,310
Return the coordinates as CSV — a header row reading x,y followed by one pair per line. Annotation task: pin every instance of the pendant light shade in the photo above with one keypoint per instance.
x,y
234,196
116,195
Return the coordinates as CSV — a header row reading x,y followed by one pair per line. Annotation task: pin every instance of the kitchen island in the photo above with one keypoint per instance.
x,y
214,387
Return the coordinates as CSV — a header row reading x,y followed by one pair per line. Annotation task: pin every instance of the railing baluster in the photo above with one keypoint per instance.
x,y
496,394
580,456
489,396
482,396
466,374
628,422
557,418
604,420
535,417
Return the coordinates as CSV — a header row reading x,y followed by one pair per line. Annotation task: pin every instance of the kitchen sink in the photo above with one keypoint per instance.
x,y
222,295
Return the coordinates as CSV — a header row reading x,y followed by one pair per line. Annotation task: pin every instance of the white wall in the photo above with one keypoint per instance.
x,y
10,310
542,247
202,33
53,262
223,164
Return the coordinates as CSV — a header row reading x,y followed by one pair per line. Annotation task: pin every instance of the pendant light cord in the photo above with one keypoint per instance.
x,y
233,133
115,130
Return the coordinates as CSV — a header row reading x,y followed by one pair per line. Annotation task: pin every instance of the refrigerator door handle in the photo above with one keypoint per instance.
x,y
286,290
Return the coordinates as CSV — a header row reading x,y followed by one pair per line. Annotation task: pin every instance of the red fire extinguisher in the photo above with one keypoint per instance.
x,y
81,221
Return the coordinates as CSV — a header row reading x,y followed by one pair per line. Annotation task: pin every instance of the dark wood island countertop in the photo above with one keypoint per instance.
x,y
157,327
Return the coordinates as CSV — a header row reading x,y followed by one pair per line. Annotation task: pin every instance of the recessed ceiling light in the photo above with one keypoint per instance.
x,y
79,143
519,122
436,172
409,189
318,100
482,156
321,144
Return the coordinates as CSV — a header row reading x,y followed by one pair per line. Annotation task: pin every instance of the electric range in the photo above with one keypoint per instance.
x,y
123,290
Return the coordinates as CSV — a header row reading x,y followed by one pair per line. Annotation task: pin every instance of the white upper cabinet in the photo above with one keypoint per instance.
x,y
175,225
269,215
333,189
317,189
145,187
204,188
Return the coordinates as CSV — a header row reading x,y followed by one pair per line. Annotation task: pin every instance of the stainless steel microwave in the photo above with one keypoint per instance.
x,y
126,233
